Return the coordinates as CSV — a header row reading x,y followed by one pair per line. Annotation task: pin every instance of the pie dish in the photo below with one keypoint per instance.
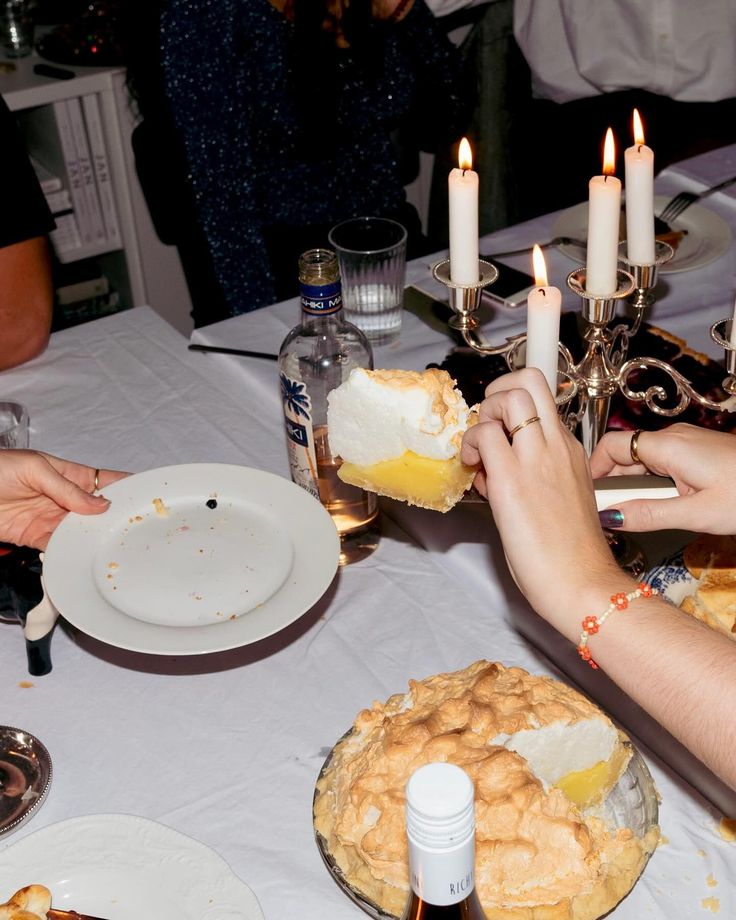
x,y
538,854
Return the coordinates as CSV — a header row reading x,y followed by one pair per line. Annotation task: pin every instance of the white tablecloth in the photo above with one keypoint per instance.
x,y
227,747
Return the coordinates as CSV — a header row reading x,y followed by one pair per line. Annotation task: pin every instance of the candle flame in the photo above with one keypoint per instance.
x,y
540,267
609,154
465,155
638,128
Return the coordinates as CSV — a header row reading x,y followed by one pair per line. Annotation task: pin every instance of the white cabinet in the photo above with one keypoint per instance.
x,y
141,268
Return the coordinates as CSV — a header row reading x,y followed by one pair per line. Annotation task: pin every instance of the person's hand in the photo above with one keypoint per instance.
x,y
540,491
700,461
37,490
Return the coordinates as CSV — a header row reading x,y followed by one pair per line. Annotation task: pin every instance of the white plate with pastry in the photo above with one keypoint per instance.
x,y
192,559
701,581
707,236
123,866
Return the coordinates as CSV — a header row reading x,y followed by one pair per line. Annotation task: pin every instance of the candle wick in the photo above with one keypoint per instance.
x,y
638,149
605,177
464,170
541,290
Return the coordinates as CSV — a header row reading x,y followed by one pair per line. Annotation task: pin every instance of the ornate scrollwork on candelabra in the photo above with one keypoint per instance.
x,y
604,368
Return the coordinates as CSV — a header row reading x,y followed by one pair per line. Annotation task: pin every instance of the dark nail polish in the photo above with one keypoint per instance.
x,y
611,518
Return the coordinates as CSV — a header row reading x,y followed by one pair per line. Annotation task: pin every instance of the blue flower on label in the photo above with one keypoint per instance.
x,y
294,396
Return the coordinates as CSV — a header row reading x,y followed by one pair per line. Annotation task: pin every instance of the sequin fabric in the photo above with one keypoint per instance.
x,y
230,82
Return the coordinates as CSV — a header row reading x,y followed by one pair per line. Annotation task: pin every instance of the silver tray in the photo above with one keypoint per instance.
x,y
631,803
25,777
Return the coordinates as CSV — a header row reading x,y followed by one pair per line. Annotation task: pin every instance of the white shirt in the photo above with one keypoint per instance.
x,y
684,49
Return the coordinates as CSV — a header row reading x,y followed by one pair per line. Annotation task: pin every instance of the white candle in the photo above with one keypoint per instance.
x,y
732,337
463,201
639,173
543,323
604,214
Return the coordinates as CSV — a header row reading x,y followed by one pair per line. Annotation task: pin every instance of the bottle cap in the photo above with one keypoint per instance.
x,y
440,806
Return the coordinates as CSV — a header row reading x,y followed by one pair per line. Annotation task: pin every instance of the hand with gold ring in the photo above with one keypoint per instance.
x,y
700,461
539,487
37,490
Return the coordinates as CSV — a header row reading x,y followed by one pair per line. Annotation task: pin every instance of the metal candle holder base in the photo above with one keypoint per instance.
x,y
603,368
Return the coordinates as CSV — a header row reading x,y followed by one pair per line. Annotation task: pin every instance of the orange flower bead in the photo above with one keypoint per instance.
x,y
591,625
620,601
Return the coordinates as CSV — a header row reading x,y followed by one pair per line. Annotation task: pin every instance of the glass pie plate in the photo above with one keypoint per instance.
x,y
631,803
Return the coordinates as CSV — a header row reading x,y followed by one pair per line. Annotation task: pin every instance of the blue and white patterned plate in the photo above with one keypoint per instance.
x,y
672,579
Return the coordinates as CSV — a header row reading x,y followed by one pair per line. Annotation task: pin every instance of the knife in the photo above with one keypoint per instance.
x,y
55,914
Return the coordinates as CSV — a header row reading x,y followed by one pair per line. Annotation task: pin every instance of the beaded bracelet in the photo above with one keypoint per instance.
x,y
591,624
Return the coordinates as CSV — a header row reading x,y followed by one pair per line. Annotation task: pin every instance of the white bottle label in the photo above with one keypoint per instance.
x,y
442,877
300,434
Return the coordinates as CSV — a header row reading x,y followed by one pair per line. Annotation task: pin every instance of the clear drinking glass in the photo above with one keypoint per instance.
x,y
372,256
16,17
14,421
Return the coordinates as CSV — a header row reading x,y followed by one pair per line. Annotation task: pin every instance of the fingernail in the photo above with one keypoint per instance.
x,y
611,518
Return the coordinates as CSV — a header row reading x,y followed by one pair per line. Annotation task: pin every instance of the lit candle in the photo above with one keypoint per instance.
x,y
639,172
463,201
604,214
543,323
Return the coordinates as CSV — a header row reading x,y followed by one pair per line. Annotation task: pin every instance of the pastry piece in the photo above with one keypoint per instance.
x,y
712,560
399,434
30,903
531,745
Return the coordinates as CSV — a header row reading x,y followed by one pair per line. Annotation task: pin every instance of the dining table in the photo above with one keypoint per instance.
x,y
225,747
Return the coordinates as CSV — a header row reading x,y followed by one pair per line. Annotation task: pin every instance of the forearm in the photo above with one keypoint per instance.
x,y
680,671
26,301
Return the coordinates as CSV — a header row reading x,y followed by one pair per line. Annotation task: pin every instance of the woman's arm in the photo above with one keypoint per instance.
x,y
26,301
539,487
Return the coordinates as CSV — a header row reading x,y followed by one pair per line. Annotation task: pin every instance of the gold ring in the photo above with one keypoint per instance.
x,y
528,421
97,480
633,446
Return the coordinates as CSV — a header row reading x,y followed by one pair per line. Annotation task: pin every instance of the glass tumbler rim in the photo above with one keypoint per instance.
x,y
364,220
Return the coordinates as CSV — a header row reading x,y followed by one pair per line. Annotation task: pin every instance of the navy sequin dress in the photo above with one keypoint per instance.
x,y
257,176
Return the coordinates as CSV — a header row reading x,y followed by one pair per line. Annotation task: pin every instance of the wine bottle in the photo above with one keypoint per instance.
x,y
440,827
315,357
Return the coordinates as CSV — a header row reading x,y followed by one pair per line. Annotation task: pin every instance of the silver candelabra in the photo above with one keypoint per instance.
x,y
585,387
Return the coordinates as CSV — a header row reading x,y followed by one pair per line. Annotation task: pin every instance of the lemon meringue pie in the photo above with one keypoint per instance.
x,y
538,752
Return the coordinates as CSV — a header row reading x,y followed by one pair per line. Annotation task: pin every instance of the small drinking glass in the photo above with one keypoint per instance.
x,y
14,421
372,256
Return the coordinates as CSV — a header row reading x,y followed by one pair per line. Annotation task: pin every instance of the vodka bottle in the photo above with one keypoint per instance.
x,y
440,827
315,357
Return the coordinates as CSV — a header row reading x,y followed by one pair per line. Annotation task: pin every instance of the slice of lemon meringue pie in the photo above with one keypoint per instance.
x,y
399,434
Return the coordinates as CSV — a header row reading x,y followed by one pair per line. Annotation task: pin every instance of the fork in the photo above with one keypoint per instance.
x,y
677,205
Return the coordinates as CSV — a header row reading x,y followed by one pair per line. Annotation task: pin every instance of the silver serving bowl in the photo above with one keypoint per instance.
x,y
25,777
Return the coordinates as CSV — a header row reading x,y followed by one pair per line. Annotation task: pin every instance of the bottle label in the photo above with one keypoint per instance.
x,y
300,434
442,877
321,300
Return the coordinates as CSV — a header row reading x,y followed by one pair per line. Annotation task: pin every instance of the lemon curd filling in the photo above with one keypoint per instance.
x,y
590,786
422,481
